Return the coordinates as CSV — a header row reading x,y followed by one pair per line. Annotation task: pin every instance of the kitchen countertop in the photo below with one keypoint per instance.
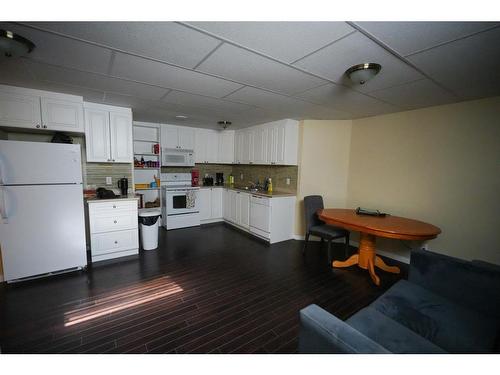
x,y
119,198
275,193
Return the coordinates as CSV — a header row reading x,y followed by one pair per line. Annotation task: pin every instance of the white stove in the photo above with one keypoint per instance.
x,y
180,207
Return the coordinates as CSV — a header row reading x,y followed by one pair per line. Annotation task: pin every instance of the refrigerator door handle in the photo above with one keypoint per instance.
x,y
3,209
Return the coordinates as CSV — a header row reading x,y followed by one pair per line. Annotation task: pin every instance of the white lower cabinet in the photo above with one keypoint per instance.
x,y
211,204
113,228
271,219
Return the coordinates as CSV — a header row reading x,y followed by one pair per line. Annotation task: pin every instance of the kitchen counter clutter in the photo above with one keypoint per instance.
x,y
268,216
113,227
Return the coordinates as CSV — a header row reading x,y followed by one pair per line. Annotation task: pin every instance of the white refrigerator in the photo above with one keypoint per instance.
x,y
42,224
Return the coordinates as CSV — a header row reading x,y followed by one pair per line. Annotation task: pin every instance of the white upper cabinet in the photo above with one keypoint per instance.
x,y
180,137
214,146
272,143
43,110
226,147
108,134
20,111
97,137
120,125
62,115
186,138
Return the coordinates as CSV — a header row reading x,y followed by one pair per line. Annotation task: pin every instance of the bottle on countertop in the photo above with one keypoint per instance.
x,y
269,185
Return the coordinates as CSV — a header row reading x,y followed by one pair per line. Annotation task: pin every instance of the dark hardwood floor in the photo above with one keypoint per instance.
x,y
210,289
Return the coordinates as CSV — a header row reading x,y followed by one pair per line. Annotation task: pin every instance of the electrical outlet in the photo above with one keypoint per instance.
x,y
241,176
109,181
288,180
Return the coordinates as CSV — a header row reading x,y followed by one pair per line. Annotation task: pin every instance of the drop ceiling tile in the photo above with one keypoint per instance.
x,y
469,62
332,62
417,94
285,41
166,41
168,76
347,100
94,81
409,37
63,51
184,98
89,95
15,72
289,107
247,67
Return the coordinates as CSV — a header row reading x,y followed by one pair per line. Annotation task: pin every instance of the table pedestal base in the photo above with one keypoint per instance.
x,y
367,259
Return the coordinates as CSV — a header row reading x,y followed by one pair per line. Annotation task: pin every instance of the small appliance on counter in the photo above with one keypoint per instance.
x,y
195,177
219,179
208,180
103,193
123,185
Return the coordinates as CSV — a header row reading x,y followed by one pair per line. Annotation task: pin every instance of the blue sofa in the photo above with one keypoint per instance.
x,y
447,305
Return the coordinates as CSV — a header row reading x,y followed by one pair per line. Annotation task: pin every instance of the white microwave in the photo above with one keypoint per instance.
x,y
172,157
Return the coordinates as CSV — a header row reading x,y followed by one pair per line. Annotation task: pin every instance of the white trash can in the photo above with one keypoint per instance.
x,y
148,225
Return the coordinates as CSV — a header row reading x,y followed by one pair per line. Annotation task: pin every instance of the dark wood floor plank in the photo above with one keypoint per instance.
x,y
210,289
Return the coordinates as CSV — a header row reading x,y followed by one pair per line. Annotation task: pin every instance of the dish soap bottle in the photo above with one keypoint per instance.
x,y
270,186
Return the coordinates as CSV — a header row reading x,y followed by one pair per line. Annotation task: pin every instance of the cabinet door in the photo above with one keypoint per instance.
x,y
121,137
97,137
186,138
226,147
238,147
271,145
204,201
244,210
212,146
169,136
234,204
216,203
280,144
259,145
247,155
226,204
62,115
200,146
20,111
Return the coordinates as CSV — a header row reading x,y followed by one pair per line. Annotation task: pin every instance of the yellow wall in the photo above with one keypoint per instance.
x,y
323,164
440,165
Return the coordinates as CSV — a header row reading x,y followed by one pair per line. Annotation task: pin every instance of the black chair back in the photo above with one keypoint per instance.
x,y
312,203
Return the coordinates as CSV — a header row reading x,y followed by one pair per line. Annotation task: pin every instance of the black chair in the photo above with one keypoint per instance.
x,y
316,227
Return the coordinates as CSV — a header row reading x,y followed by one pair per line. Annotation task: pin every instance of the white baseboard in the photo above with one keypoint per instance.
x,y
210,221
387,253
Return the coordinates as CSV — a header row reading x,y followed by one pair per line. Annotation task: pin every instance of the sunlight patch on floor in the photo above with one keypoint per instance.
x,y
123,299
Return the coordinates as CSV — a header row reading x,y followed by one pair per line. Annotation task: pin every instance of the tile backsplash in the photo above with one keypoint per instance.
x,y
251,173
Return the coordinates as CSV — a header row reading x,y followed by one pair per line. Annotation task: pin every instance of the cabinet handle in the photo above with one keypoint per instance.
x,y
113,159
114,206
45,126
116,242
37,125
115,221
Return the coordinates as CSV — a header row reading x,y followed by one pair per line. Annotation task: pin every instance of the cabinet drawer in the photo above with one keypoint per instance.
x,y
118,221
112,207
104,243
257,199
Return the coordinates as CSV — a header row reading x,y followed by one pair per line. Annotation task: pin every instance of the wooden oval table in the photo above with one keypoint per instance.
x,y
371,227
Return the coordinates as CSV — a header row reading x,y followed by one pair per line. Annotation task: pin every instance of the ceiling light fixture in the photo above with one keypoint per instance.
x,y
363,72
224,124
14,45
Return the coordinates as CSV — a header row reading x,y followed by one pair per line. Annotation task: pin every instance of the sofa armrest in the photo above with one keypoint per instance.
x,y
475,285
321,332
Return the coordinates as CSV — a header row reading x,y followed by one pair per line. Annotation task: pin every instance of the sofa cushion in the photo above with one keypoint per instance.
x,y
390,334
452,327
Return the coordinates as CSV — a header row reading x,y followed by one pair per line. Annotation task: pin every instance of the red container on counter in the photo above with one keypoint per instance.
x,y
195,177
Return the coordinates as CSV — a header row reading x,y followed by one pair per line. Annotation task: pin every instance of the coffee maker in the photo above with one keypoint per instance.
x,y
219,179
123,185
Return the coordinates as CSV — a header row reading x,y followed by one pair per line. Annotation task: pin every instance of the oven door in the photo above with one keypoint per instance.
x,y
181,201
